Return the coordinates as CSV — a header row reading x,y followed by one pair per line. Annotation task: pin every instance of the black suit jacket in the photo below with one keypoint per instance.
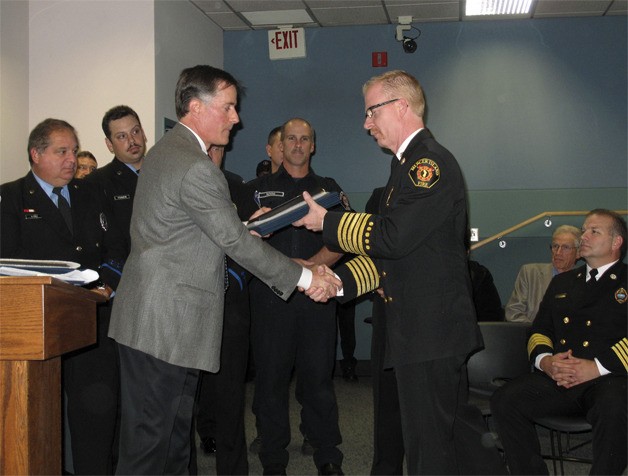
x,y
118,184
591,322
32,228
415,249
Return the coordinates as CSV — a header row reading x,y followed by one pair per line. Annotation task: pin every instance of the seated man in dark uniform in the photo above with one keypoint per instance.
x,y
579,348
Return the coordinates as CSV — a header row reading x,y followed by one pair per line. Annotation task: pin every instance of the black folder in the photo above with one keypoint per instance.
x,y
289,212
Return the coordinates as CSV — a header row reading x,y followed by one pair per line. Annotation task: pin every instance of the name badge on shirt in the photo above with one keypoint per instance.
x,y
31,214
122,197
271,193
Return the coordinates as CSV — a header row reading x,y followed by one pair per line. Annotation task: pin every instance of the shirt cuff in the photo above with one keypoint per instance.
x,y
537,361
601,368
305,281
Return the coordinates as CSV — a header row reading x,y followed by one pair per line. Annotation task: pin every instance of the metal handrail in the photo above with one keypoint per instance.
x,y
507,231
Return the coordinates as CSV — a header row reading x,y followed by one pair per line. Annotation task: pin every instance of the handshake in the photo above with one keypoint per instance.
x,y
325,285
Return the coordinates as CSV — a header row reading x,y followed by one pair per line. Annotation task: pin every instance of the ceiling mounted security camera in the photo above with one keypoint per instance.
x,y
409,45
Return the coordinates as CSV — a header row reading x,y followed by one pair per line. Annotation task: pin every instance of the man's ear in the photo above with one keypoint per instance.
x,y
617,243
109,144
195,106
35,155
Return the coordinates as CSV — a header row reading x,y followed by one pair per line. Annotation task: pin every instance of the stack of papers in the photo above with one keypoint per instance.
x,y
289,212
67,271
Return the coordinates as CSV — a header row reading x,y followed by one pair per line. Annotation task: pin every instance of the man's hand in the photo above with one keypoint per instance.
x,y
314,219
325,284
257,213
568,371
105,291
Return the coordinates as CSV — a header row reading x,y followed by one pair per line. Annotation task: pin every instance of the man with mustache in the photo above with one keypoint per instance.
x,y
297,334
125,138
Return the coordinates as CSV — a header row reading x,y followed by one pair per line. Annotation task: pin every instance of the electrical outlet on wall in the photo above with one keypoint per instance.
x,y
475,234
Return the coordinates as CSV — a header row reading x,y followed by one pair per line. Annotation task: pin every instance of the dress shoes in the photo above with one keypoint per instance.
x,y
274,471
330,469
208,445
348,374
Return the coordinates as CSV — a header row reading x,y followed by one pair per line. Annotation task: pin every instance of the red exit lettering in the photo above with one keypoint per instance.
x,y
286,39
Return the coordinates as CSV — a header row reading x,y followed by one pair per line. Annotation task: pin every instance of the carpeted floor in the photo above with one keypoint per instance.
x,y
356,425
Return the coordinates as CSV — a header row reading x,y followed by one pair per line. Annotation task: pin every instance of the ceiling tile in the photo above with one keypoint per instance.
x,y
228,21
374,15
558,8
618,7
264,5
426,11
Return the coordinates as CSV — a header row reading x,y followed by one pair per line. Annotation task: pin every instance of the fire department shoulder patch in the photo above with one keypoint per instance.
x,y
424,173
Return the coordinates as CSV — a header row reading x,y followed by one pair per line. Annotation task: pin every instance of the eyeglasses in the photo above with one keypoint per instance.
x,y
369,111
566,248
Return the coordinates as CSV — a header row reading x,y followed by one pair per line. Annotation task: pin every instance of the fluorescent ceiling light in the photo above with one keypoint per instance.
x,y
497,7
278,17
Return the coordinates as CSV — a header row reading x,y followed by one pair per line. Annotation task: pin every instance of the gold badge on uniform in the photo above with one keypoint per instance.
x,y
621,296
424,173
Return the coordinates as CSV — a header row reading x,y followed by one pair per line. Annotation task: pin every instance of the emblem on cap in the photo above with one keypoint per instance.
x,y
424,173
621,296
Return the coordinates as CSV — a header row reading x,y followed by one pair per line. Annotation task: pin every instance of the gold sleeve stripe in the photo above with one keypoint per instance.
x,y
351,231
621,349
538,339
364,273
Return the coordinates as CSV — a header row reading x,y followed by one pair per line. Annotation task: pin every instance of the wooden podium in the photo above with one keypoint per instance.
x,y
41,318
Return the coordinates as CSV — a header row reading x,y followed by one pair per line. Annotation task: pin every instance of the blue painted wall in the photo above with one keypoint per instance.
x,y
534,110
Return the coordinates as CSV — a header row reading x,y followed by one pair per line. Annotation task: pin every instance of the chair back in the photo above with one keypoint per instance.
x,y
504,357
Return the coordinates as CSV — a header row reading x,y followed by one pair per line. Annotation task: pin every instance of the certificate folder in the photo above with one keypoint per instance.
x,y
289,212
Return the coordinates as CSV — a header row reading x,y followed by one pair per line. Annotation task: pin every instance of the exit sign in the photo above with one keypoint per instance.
x,y
286,43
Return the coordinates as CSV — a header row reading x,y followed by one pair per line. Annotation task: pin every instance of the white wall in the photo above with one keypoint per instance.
x,y
74,59
87,56
13,88
184,37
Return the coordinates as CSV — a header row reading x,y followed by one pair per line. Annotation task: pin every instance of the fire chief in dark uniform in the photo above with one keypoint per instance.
x,y
415,250
580,350
35,226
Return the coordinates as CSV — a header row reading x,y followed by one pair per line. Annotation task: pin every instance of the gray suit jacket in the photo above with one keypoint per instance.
x,y
530,286
169,303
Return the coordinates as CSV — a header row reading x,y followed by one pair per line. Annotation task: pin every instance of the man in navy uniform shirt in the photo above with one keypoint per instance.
x,y
296,333
125,139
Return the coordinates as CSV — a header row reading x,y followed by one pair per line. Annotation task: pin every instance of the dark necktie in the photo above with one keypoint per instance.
x,y
64,207
592,274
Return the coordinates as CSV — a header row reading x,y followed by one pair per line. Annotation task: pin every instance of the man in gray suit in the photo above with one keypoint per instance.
x,y
168,313
534,278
